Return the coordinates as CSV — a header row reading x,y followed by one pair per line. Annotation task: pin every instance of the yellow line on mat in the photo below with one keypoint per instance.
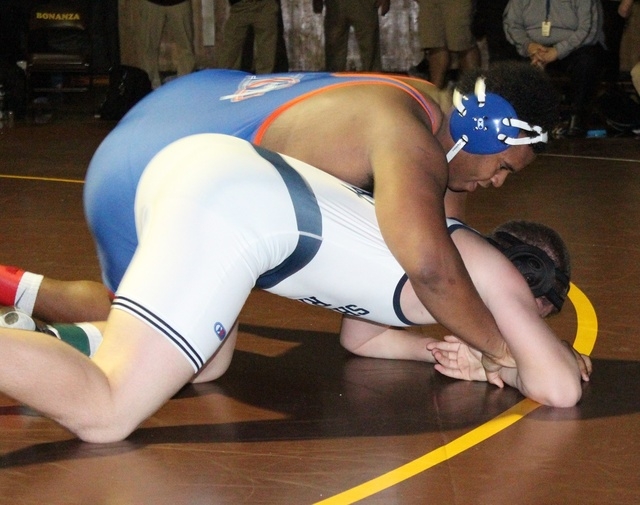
x,y
33,178
586,333
587,327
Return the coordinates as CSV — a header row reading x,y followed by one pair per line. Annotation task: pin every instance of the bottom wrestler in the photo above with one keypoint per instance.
x,y
240,217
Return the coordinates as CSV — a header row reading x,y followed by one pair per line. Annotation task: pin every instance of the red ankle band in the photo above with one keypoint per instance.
x,y
9,281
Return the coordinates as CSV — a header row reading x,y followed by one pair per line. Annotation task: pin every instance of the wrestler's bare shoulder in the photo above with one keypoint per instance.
x,y
335,130
360,102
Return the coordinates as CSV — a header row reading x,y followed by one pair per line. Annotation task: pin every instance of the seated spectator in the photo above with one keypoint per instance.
x,y
562,36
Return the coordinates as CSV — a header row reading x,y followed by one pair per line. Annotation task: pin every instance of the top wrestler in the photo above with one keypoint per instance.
x,y
379,133
215,217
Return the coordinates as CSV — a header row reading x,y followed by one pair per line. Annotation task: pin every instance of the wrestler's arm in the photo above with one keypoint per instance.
x,y
546,369
373,340
410,175
103,399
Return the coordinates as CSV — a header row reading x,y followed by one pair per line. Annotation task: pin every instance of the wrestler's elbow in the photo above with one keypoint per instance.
x,y
563,394
429,273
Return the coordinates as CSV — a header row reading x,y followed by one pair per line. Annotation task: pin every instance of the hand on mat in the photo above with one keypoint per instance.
x,y
584,362
457,360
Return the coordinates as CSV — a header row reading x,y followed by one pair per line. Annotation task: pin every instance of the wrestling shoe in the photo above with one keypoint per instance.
x,y
10,317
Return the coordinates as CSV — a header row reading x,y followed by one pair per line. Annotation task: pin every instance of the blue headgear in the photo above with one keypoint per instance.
x,y
487,124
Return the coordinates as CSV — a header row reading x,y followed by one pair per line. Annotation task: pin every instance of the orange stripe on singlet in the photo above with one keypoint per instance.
x,y
388,81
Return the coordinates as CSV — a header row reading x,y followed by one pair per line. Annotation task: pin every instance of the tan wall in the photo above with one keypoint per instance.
x,y
304,34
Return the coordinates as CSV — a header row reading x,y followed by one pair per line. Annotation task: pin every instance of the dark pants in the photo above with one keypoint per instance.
x,y
584,69
613,27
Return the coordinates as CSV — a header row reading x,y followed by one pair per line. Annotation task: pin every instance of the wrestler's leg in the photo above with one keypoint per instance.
x,y
72,301
53,300
220,361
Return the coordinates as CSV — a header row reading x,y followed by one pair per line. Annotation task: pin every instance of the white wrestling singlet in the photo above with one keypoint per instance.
x,y
216,216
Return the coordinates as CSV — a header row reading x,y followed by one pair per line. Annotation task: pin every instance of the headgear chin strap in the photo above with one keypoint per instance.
x,y
536,267
487,124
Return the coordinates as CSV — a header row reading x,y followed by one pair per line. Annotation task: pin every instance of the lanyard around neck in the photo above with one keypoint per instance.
x,y
548,9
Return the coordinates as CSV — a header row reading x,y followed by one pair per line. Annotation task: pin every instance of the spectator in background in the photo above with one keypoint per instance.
x,y
487,25
625,11
177,17
562,36
445,27
262,18
615,14
635,77
340,16
617,105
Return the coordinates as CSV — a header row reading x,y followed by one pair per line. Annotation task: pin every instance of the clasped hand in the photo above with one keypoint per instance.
x,y
540,55
457,360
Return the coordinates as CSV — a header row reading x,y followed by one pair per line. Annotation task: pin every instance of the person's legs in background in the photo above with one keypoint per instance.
x,y
265,27
584,68
235,32
458,19
180,23
367,30
635,77
336,36
445,27
150,36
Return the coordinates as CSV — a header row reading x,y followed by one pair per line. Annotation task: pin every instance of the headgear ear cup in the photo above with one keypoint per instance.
x,y
482,124
537,268
486,123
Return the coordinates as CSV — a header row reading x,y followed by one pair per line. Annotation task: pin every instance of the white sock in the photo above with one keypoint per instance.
x,y
28,291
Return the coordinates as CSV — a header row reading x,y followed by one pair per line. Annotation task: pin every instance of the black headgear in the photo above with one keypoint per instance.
x,y
486,123
536,267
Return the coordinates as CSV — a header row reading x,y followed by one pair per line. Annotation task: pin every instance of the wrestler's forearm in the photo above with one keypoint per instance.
x,y
373,340
397,344
455,304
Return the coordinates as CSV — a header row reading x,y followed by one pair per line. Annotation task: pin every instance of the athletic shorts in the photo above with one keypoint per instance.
x,y
446,23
